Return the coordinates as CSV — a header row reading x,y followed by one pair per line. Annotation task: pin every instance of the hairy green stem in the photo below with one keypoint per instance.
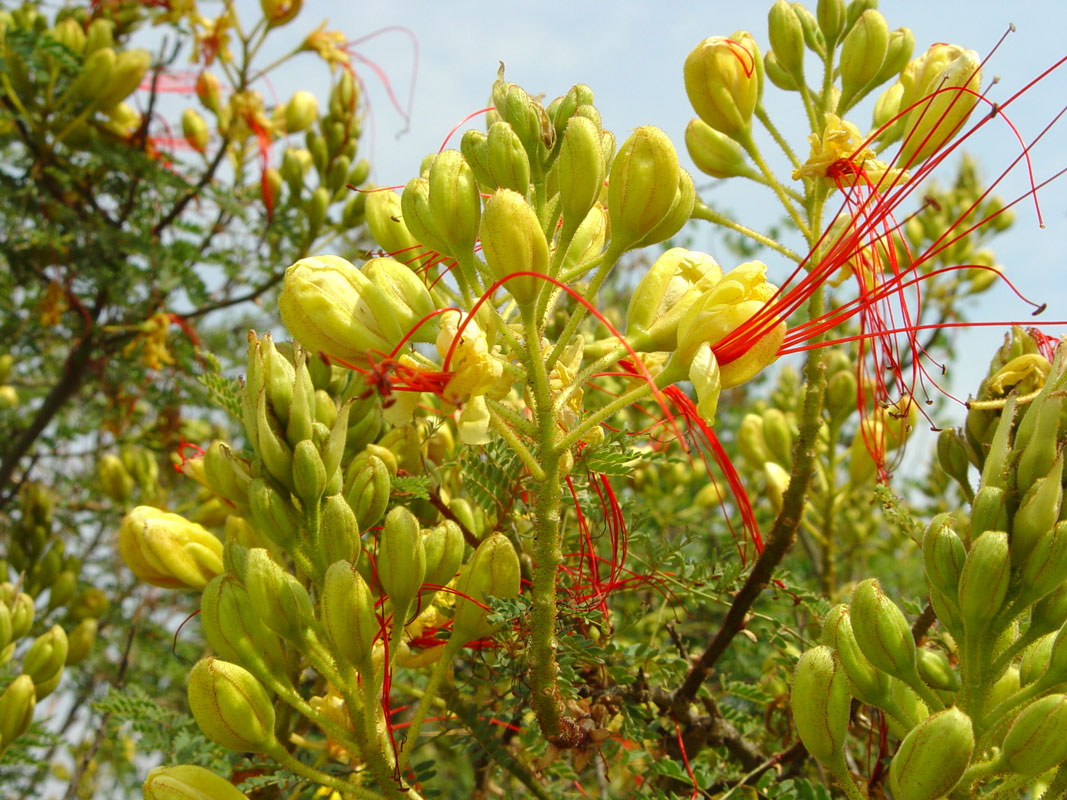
x,y
704,212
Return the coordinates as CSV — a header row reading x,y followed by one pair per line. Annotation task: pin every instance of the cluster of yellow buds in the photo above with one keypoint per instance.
x,y
982,697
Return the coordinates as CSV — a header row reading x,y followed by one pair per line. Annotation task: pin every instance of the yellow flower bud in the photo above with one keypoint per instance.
x,y
933,757
301,110
506,159
167,550
187,782
279,12
642,186
80,641
862,54
44,660
70,34
385,220
130,69
348,613
209,91
454,203
231,707
401,558
787,38
331,307
581,168
944,82
821,701
117,482
194,129
493,571
722,79
714,153
512,241
16,709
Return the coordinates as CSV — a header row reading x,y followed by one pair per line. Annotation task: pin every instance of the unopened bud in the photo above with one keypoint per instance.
x,y
945,100
1045,567
80,641
1037,514
943,556
581,168
401,558
168,550
936,671
235,628
787,38
642,185
348,613
870,686
989,511
831,17
863,52
932,758
130,68
507,161
16,709
117,482
209,91
188,782
367,490
231,707
194,129
680,212
882,631
1050,612
44,660
512,242
723,83
454,203
778,435
751,442
444,547
714,153
1035,742
898,53
984,581
385,220
280,599
952,455
493,571
301,110
821,701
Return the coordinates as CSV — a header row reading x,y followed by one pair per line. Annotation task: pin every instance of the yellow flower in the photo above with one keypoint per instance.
x,y
53,304
152,338
326,44
213,39
842,141
475,369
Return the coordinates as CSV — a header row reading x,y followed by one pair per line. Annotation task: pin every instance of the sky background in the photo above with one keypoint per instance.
x,y
631,53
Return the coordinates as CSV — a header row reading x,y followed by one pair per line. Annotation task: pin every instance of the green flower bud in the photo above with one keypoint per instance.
x,y
385,221
231,707
95,77
1035,660
580,169
367,490
100,34
493,571
348,613
984,581
301,110
271,446
454,203
235,628
664,294
509,166
279,598
168,550
722,80
331,307
714,153
778,435
512,241
228,475
418,216
1037,514
401,558
943,556
950,78
886,109
474,145
444,546
208,88
863,52
813,37
116,481
777,75
898,54
22,613
751,442
869,685
309,473
881,631
932,758
6,627
952,456
1035,742
989,511
340,531
1039,443
271,514
195,131
787,38
70,34
46,657
187,782
1045,568
129,70
526,117
642,186
1049,613
80,641
63,588
16,709
821,701
831,17
936,671
680,212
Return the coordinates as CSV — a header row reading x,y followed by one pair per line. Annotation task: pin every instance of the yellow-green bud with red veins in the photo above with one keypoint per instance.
x,y
1035,742
714,153
945,82
279,597
1037,513
642,186
870,686
231,707
454,203
340,530
943,556
821,700
674,282
984,581
680,212
1045,567
933,756
513,242
331,307
367,489
401,558
347,608
882,632
862,54
167,550
444,546
723,81
493,571
234,628
506,159
580,169
188,782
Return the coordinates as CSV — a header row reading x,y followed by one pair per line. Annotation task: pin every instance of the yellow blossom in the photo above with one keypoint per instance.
x,y
842,141
53,304
326,44
213,39
475,369
152,338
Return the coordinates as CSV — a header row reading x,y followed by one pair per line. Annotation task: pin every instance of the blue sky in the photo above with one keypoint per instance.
x,y
631,54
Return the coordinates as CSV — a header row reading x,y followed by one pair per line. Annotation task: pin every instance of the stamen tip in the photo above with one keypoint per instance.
x,y
1039,309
